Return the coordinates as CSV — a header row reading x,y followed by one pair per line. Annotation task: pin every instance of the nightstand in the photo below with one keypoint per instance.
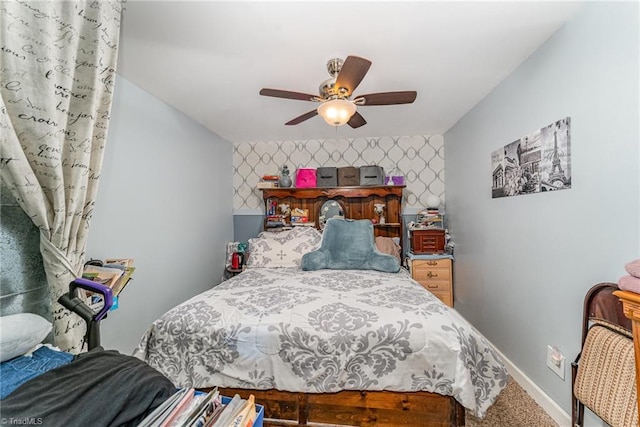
x,y
434,273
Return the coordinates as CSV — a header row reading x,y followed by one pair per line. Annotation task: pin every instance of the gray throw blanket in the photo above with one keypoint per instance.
x,y
98,388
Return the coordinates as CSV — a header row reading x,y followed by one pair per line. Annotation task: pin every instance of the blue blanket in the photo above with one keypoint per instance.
x,y
19,370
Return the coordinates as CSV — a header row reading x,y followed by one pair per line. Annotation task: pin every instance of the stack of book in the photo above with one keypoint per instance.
x,y
430,218
268,181
190,408
114,273
275,221
433,220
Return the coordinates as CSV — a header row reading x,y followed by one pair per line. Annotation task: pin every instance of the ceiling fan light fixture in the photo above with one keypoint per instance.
x,y
337,112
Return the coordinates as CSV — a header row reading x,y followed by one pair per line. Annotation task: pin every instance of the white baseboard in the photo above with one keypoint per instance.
x,y
540,397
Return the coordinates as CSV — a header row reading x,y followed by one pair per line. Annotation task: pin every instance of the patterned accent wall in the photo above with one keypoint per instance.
x,y
419,158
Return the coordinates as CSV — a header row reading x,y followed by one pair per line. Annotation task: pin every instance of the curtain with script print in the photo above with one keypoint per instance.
x,y
57,70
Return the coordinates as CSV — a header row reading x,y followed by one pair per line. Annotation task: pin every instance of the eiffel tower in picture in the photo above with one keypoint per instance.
x,y
557,174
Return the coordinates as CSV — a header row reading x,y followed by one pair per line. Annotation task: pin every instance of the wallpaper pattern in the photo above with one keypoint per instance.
x,y
419,158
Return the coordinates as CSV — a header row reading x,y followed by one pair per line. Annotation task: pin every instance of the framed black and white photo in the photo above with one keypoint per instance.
x,y
537,162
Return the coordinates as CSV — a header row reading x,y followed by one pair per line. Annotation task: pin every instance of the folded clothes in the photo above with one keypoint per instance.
x,y
633,268
386,245
629,283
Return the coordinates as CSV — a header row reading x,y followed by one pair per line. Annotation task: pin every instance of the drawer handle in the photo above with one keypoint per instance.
x,y
430,275
432,286
432,262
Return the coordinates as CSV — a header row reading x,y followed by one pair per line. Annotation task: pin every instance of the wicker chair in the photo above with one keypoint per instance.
x,y
603,374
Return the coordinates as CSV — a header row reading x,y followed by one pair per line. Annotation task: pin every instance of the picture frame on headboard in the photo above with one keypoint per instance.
x,y
331,209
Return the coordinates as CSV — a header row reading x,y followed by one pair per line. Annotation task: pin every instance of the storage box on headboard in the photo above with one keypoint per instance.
x,y
327,177
348,176
371,175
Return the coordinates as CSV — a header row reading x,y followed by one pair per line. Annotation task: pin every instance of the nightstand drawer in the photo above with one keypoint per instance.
x,y
435,285
432,274
431,263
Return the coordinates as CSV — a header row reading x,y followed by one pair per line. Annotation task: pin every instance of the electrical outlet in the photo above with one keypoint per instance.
x,y
555,361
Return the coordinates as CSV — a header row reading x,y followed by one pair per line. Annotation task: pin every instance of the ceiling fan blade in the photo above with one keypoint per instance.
x,y
388,98
302,118
356,120
351,74
277,93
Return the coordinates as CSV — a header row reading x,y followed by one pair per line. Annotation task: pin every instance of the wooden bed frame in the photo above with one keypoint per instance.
x,y
355,408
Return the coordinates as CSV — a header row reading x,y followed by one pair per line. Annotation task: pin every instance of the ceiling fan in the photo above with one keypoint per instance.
x,y
338,105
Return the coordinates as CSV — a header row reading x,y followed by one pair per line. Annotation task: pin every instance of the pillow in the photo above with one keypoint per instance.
x,y
348,244
21,332
282,249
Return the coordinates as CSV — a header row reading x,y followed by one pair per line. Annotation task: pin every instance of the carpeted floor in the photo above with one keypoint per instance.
x,y
513,408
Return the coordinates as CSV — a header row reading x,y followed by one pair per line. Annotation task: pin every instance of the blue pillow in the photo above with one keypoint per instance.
x,y
349,244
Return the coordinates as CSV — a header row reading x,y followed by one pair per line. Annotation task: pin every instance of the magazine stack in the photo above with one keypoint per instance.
x,y
115,273
192,408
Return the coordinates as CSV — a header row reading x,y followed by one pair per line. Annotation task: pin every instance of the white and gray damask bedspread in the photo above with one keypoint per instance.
x,y
324,331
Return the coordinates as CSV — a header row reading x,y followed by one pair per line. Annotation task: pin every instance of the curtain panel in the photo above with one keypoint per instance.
x,y
57,71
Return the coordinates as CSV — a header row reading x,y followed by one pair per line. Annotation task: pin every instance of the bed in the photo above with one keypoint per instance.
x,y
327,346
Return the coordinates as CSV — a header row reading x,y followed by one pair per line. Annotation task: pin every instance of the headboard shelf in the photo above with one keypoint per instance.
x,y
333,192
358,203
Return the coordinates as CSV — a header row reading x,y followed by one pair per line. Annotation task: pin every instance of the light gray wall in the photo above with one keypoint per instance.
x,y
165,201
247,226
523,264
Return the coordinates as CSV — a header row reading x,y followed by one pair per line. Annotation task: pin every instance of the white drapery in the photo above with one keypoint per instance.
x,y
57,70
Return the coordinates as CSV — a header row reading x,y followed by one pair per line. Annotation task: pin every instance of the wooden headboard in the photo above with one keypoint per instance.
x,y
358,202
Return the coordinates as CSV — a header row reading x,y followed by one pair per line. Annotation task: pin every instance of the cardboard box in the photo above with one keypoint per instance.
x,y
299,215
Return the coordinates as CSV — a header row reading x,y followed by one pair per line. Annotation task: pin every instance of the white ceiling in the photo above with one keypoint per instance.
x,y
210,59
